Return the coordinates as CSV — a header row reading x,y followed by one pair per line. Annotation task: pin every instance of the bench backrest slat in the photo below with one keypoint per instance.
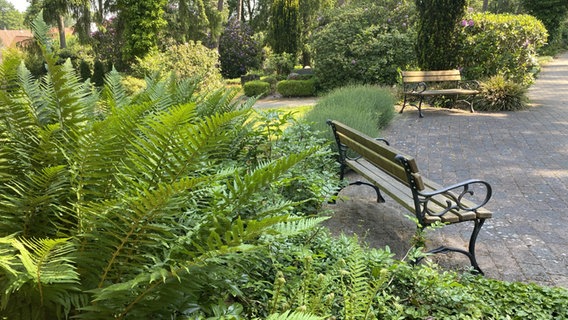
x,y
430,76
378,153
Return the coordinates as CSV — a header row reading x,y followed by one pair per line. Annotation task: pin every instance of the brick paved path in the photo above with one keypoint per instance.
x,y
524,155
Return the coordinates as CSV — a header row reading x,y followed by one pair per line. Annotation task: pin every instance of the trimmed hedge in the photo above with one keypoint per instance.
x,y
297,88
256,88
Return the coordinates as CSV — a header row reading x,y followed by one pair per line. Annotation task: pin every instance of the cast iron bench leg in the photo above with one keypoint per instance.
x,y
380,198
471,248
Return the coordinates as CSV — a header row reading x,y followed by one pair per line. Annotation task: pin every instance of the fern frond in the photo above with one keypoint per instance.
x,y
243,188
47,261
219,101
171,146
359,289
298,225
114,94
293,316
40,30
34,202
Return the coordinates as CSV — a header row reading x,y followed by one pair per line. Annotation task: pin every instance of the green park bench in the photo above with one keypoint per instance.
x,y
390,171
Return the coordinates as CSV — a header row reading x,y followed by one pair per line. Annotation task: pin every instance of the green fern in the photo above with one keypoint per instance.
x,y
123,206
293,316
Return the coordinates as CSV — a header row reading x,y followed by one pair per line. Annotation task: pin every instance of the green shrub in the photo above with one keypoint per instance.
x,y
365,44
133,85
189,60
366,108
325,275
279,63
98,78
500,94
256,88
84,70
501,44
296,88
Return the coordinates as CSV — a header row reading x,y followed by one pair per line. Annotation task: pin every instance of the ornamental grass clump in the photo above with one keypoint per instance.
x,y
364,107
500,94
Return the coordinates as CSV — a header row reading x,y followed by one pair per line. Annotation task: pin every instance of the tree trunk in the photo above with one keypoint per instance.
x,y
485,5
220,5
61,29
239,9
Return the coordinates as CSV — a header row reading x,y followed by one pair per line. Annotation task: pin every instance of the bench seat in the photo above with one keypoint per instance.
x,y
391,172
422,84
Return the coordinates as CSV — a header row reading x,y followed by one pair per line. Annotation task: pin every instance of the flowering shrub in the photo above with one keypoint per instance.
x,y
365,44
107,43
239,52
501,44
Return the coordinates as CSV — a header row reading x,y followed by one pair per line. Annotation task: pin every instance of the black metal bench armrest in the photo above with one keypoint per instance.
x,y
456,197
415,87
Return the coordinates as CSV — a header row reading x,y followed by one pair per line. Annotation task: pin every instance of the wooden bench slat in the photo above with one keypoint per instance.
x,y
402,194
377,146
391,173
416,84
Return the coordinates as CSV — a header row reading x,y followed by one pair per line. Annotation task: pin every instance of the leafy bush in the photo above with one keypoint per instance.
x,y
190,60
500,94
256,88
366,108
552,13
239,52
501,44
279,63
132,207
365,44
98,77
133,85
297,88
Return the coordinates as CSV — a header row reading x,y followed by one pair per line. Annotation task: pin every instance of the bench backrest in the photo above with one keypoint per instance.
x,y
430,76
378,153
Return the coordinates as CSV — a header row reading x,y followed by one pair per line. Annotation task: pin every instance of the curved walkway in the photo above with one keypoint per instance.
x,y
524,155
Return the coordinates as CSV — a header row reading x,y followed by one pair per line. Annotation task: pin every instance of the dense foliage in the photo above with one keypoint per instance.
x,y
141,21
367,108
190,60
324,275
239,52
552,13
256,88
365,45
501,44
130,207
297,88
285,26
436,45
